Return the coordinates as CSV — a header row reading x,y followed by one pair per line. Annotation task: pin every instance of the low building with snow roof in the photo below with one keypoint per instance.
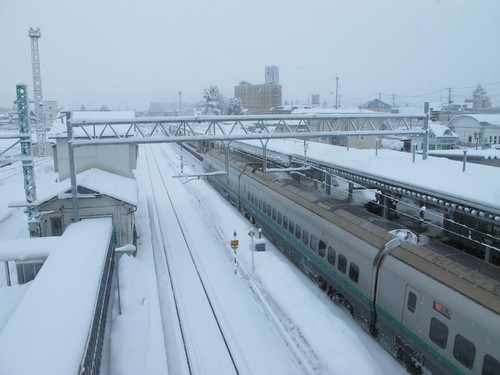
x,y
120,159
376,105
440,138
472,128
100,194
355,141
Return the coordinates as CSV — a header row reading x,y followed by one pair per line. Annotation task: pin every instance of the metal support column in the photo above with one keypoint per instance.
x,y
226,164
26,153
385,207
425,143
264,155
350,196
328,180
72,169
34,35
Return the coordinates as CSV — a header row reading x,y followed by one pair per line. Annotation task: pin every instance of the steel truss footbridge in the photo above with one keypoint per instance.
x,y
226,129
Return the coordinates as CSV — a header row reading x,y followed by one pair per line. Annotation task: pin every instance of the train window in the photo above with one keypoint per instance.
x,y
491,366
322,249
274,214
264,206
305,236
438,332
331,256
285,222
298,231
249,196
291,226
269,210
412,302
354,272
279,217
313,243
342,264
464,351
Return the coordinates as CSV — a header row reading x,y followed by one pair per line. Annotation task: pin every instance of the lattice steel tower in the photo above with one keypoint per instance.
x,y
37,92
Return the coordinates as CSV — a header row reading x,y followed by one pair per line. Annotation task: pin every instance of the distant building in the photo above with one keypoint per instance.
x,y
472,128
444,113
272,74
355,141
162,109
259,99
376,105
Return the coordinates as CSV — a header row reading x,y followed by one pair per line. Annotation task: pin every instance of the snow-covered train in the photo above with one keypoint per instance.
x,y
434,308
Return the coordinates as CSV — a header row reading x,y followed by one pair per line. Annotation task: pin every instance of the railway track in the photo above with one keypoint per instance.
x,y
192,326
299,349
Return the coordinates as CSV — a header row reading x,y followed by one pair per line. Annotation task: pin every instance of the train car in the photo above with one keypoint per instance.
x,y
434,308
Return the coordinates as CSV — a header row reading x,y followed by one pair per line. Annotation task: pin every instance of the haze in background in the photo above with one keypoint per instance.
x,y
127,53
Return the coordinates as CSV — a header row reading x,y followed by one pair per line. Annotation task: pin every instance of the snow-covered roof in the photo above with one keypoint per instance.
x,y
330,110
376,103
486,118
441,130
27,248
107,183
480,183
58,128
48,331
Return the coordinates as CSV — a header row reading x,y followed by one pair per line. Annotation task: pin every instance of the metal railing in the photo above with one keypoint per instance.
x,y
91,360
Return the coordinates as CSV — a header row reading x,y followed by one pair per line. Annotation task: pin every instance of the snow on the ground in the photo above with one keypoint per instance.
x,y
130,342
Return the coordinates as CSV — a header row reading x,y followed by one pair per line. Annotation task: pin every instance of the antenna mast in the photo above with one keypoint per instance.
x,y
41,137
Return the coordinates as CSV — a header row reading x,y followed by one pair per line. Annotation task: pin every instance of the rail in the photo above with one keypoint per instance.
x,y
93,350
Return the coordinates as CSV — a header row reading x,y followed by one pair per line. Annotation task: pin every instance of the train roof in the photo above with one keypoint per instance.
x,y
462,272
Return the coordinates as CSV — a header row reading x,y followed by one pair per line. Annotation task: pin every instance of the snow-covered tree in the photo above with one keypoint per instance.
x,y
480,98
479,92
234,107
213,103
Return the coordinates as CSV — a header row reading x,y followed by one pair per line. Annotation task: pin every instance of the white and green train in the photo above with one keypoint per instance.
x,y
434,308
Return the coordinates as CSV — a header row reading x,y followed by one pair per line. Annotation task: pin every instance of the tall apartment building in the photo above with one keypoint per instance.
x,y
259,99
272,74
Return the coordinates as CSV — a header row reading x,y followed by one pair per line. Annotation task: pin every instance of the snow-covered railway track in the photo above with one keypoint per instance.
x,y
290,335
190,320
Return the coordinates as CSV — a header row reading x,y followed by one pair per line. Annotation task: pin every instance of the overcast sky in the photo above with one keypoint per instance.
x,y
128,53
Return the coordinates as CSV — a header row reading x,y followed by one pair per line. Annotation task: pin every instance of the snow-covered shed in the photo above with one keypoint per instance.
x,y
486,128
376,105
440,137
100,194
120,159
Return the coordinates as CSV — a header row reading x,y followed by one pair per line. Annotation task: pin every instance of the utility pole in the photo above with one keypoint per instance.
x,y
449,96
337,92
393,100
180,103
37,92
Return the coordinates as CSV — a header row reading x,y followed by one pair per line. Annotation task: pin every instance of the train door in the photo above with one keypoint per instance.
x,y
411,309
